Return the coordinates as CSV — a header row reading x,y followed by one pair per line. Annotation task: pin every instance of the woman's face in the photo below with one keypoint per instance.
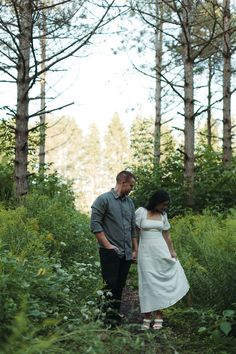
x,y
160,207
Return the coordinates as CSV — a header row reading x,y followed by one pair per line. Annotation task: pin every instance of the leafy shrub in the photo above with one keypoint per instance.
x,y
20,234
25,339
52,185
218,325
66,231
206,245
168,175
6,182
48,259
214,185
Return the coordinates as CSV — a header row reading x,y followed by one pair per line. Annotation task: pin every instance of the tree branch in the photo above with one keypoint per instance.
x,y
49,111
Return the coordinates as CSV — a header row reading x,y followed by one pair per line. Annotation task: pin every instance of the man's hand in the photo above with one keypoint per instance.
x,y
101,237
111,247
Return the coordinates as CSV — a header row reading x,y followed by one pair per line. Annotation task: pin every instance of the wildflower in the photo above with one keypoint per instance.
x,y
41,271
49,237
90,302
99,292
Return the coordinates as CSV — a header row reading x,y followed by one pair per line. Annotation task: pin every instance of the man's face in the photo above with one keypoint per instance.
x,y
127,186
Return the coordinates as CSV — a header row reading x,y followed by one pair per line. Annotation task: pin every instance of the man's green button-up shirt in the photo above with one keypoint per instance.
x,y
115,216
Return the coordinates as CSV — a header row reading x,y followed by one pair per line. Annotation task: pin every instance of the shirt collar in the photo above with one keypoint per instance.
x,y
116,196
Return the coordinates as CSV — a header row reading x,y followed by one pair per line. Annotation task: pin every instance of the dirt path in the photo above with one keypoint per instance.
x,y
130,307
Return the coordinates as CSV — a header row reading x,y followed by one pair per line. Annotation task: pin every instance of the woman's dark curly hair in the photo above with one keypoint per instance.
x,y
159,196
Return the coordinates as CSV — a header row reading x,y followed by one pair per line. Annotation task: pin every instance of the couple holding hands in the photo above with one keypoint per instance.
x,y
125,236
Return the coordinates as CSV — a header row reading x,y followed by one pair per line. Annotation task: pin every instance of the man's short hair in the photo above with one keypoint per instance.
x,y
124,175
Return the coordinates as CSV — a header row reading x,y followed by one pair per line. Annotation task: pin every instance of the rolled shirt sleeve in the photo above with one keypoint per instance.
x,y
97,215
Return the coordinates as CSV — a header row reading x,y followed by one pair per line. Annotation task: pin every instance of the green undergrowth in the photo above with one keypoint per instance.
x,y
50,284
180,335
206,247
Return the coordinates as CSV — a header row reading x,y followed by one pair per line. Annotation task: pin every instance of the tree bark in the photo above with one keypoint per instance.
x,y
158,91
42,132
227,128
23,81
209,97
188,105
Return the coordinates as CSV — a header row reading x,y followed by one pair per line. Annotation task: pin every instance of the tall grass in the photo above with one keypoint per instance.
x,y
206,246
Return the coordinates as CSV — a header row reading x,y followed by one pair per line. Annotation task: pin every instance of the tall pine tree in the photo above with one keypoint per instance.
x,y
116,149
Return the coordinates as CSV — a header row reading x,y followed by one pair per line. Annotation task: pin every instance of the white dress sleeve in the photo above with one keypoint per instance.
x,y
138,216
166,224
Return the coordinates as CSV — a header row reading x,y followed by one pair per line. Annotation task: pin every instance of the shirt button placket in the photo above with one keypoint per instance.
x,y
123,222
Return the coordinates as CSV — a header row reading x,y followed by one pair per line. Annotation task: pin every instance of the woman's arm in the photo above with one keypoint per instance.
x,y
135,248
167,237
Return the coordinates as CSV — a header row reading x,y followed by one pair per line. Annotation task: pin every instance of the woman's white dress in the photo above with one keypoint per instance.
x,y
162,281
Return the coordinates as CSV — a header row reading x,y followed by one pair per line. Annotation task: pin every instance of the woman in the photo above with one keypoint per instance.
x,y
162,281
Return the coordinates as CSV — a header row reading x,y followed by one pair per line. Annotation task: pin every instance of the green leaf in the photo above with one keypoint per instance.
x,y
228,313
225,327
35,313
202,329
216,334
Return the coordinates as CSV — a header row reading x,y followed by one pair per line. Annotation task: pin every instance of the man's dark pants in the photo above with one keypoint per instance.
x,y
114,272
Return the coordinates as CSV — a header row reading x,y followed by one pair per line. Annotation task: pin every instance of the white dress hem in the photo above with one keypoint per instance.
x,y
170,303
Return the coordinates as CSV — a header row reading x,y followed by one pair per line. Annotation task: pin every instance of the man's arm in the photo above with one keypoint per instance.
x,y
96,224
103,241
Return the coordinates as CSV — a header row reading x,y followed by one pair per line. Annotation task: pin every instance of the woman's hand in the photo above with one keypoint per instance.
x,y
174,255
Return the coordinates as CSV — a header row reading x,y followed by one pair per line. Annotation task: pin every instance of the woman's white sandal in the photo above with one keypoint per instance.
x,y
157,323
146,324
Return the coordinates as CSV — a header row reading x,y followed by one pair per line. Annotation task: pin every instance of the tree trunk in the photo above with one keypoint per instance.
x,y
21,135
227,137
209,97
188,105
158,57
42,132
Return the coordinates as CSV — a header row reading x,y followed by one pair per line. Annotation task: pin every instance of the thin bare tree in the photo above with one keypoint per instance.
x,y
227,53
42,129
71,24
158,80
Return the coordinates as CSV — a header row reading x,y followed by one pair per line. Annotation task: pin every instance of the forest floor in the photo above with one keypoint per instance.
x,y
179,334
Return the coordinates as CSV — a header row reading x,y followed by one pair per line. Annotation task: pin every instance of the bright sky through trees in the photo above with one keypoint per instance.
x,y
104,83
99,84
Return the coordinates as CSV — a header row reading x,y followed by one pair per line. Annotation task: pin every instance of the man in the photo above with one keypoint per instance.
x,y
113,223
